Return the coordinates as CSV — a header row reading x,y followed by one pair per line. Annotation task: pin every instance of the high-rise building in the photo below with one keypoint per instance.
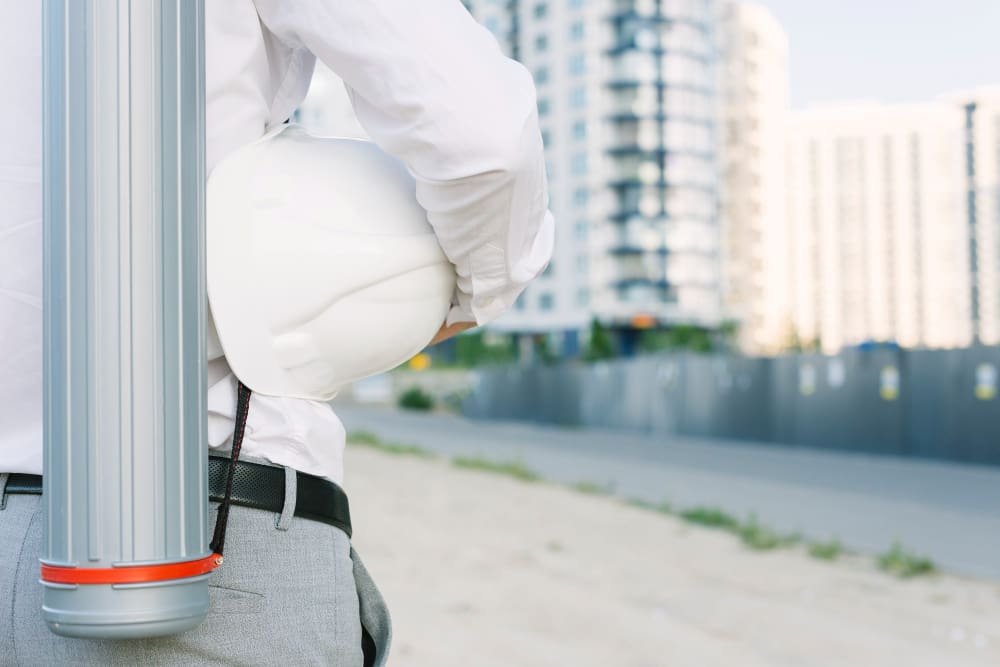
x,y
562,44
981,152
755,238
628,103
877,224
685,192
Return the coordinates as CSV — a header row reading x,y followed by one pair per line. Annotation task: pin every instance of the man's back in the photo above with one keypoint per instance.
x,y
433,89
21,237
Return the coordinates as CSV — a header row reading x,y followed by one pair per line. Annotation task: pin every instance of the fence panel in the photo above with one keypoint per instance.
x,y
938,404
976,405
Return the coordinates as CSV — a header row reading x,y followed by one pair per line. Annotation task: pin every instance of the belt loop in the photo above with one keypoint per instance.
x,y
284,520
4,476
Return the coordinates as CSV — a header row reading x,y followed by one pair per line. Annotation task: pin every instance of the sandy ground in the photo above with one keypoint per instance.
x,y
481,570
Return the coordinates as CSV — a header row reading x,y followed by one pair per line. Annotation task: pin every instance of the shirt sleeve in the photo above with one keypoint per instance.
x,y
431,86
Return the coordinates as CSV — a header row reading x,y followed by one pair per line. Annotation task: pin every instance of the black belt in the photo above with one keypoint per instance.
x,y
22,483
254,485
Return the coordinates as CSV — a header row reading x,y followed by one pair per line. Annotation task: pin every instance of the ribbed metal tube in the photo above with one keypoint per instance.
x,y
124,308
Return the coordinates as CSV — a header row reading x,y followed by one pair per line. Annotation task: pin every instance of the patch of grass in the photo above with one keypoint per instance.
x,y
515,469
593,488
762,538
711,517
369,439
363,438
662,508
903,564
416,398
897,560
753,534
830,550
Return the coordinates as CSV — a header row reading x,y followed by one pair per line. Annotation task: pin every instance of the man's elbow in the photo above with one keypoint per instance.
x,y
501,132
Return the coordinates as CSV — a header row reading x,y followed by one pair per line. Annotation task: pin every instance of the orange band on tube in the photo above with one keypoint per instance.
x,y
138,574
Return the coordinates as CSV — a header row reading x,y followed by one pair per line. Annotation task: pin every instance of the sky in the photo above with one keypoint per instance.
x,y
888,50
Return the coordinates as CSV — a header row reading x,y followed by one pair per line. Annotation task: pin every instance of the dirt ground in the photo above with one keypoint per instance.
x,y
482,570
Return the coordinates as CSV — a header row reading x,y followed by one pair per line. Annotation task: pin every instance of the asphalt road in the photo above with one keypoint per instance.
x,y
946,511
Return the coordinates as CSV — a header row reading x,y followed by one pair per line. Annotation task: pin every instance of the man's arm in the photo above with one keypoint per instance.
x,y
450,331
431,87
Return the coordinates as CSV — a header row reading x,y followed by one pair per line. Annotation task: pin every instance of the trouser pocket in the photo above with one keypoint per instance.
x,y
375,622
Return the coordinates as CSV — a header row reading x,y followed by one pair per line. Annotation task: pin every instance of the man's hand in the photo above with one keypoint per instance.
x,y
446,332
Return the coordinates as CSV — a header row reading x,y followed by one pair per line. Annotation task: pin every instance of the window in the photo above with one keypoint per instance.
x,y
576,31
542,75
546,301
543,106
577,64
583,297
549,269
493,25
576,4
541,10
578,97
580,230
579,164
546,138
580,129
581,196
582,264
542,43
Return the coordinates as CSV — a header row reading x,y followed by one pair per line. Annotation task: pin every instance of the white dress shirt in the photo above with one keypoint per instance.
x,y
427,83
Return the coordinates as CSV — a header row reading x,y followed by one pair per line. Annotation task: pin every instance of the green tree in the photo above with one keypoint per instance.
x,y
543,349
472,349
599,346
728,334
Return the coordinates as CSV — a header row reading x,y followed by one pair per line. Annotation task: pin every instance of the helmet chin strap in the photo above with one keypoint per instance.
x,y
222,517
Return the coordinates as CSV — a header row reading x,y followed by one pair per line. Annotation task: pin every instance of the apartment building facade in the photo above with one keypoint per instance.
x,y
628,103
876,215
981,151
755,238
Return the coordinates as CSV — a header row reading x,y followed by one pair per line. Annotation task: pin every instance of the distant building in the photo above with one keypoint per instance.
x,y
877,224
981,152
628,104
685,192
755,240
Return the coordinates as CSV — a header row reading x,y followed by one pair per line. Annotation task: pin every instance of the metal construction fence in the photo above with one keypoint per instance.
x,y
941,404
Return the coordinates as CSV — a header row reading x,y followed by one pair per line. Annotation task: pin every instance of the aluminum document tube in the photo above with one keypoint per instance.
x,y
125,473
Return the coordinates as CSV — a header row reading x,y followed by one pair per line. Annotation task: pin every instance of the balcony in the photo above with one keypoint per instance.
x,y
634,10
637,237
622,114
635,150
645,11
625,80
632,172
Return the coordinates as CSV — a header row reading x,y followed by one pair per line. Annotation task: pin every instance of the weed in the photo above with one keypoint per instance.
x,y
593,488
515,469
363,438
662,508
711,517
830,550
760,537
903,564
369,439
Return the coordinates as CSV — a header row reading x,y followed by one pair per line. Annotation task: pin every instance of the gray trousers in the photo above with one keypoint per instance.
x,y
291,592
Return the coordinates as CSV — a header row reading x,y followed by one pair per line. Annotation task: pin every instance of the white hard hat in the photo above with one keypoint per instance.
x,y
322,267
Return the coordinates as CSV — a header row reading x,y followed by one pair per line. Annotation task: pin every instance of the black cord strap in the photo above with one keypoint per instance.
x,y
222,517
